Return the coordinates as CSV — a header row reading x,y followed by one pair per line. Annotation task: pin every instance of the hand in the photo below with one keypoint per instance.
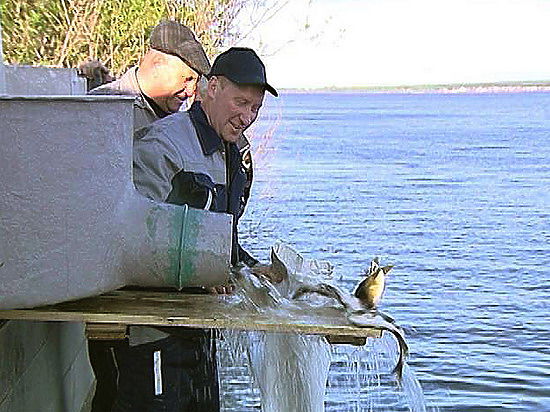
x,y
95,73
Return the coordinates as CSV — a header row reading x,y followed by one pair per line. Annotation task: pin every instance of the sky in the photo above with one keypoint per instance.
x,y
361,43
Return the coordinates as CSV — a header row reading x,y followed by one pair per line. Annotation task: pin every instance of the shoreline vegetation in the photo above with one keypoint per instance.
x,y
462,88
66,33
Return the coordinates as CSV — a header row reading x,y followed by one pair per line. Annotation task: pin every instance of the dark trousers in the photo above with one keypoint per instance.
x,y
182,376
102,359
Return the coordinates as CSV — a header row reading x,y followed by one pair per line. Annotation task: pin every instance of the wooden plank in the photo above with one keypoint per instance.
x,y
154,308
106,331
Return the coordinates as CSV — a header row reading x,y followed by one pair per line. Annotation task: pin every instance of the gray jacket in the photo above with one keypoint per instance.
x,y
182,160
128,85
164,150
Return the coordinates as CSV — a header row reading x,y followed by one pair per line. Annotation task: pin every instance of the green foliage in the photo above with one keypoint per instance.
x,y
64,33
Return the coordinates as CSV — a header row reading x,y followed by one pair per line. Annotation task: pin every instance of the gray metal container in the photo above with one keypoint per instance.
x,y
72,224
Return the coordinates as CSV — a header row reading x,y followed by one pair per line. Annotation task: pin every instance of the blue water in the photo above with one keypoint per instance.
x,y
454,190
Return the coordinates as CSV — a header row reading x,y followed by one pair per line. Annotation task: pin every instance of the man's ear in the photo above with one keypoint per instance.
x,y
213,86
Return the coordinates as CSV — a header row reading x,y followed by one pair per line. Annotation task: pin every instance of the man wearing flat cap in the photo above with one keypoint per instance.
x,y
165,80
195,157
167,75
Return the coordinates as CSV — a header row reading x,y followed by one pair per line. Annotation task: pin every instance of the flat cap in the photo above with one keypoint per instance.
x,y
174,38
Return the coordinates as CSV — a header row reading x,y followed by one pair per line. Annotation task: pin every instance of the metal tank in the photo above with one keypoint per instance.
x,y
72,224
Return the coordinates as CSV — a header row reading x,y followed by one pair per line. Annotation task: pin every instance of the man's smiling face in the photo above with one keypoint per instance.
x,y
178,83
233,107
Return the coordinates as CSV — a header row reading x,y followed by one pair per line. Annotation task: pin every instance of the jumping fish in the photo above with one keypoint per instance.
x,y
361,307
278,268
256,285
275,272
371,289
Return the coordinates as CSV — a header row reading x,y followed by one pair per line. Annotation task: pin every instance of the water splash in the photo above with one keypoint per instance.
x,y
363,380
292,372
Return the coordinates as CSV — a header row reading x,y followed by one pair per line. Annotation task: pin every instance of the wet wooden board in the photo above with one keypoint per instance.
x,y
126,307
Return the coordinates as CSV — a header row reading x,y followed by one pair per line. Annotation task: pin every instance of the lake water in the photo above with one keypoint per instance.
x,y
454,190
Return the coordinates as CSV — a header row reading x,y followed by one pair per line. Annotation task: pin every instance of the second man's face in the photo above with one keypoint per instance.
x,y
234,107
179,83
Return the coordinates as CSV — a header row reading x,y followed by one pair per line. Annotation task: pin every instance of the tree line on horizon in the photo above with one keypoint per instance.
x,y
65,33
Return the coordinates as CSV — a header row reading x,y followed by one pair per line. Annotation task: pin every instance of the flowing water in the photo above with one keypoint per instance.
x,y
451,189
291,370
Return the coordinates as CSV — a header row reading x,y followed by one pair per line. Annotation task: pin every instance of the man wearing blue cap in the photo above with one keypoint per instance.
x,y
194,158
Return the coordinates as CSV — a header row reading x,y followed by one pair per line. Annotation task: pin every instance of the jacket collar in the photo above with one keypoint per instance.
x,y
209,140
130,81
128,84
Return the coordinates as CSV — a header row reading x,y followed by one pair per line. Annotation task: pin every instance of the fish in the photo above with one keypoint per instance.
x,y
278,268
371,289
380,321
256,284
361,307
275,272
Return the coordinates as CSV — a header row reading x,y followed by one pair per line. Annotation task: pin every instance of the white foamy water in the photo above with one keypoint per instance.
x,y
287,372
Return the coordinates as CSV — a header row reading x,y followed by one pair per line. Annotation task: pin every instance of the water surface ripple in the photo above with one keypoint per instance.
x,y
453,190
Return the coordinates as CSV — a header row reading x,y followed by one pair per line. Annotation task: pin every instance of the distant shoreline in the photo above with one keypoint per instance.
x,y
475,88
